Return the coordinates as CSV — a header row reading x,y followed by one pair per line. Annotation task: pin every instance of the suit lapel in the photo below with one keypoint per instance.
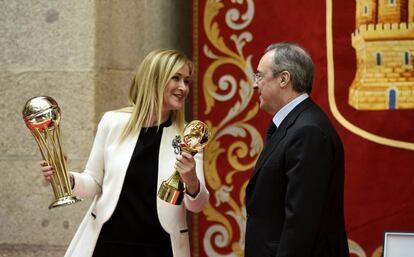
x,y
280,134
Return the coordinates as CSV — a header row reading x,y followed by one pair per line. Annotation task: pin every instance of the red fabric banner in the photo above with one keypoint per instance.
x,y
364,81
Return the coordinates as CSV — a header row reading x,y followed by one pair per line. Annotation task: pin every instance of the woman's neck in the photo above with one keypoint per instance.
x,y
164,118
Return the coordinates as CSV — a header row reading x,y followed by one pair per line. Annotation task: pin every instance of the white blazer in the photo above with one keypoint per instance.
x,y
104,176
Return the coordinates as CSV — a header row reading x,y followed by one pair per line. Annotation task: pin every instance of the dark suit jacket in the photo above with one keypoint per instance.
x,y
294,198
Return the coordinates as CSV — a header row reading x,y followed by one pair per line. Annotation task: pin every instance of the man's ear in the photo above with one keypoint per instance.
x,y
285,77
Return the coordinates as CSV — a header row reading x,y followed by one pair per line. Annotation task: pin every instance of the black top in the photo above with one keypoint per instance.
x,y
135,219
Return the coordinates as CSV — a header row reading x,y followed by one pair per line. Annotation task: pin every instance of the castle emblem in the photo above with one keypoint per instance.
x,y
384,45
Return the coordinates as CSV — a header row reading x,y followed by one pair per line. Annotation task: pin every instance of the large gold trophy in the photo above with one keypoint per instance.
x,y
195,137
42,116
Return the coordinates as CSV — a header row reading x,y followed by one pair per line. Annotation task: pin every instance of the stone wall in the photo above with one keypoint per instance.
x,y
83,54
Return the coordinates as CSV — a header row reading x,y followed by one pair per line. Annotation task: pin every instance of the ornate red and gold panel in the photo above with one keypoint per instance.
x,y
363,52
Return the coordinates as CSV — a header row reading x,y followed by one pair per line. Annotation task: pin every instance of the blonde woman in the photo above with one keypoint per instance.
x,y
132,154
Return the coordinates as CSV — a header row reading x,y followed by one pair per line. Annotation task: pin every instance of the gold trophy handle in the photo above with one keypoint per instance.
x,y
195,138
172,189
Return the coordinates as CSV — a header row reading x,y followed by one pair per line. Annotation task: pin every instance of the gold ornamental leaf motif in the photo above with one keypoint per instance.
x,y
237,249
242,195
213,150
237,150
213,215
209,87
246,143
377,252
212,28
246,93
213,34
355,248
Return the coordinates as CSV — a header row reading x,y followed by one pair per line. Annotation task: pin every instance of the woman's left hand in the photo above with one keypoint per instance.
x,y
185,166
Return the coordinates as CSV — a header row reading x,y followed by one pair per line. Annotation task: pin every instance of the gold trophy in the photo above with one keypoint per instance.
x,y
42,116
195,137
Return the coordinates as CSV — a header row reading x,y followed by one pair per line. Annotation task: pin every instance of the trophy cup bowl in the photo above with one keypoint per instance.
x,y
41,115
195,138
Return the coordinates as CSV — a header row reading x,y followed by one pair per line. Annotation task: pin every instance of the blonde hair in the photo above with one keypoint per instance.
x,y
146,94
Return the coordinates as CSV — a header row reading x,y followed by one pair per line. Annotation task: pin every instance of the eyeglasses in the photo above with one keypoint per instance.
x,y
257,77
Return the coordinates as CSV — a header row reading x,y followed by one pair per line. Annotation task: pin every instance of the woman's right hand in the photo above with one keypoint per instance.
x,y
47,170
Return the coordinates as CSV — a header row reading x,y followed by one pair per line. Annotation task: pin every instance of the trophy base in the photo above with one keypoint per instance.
x,y
66,200
170,194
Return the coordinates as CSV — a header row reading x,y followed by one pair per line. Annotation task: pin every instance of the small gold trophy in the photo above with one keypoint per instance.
x,y
195,137
42,116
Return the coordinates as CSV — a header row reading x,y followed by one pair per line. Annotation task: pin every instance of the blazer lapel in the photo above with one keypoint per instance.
x,y
116,167
280,133
125,151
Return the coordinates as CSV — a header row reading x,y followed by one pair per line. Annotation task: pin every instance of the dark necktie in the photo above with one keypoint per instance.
x,y
270,130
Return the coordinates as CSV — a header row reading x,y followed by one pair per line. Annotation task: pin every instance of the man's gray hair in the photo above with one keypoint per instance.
x,y
296,60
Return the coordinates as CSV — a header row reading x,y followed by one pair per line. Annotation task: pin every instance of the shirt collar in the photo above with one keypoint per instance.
x,y
282,113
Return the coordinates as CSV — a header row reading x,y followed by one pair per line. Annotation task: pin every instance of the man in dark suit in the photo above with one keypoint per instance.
x,y
294,198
